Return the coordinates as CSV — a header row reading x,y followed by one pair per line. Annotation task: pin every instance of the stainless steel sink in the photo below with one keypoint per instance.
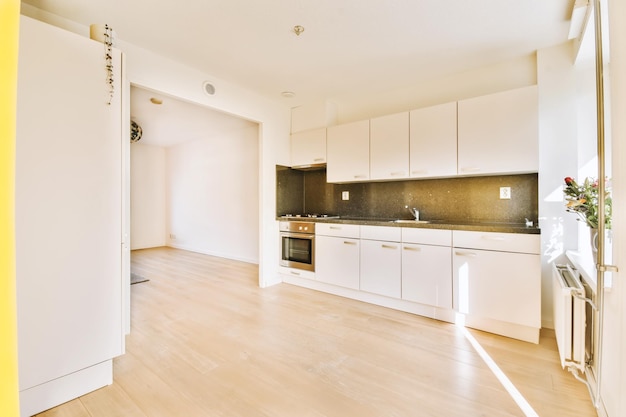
x,y
409,221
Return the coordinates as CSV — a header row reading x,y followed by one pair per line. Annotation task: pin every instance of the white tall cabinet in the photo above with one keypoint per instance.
x,y
69,244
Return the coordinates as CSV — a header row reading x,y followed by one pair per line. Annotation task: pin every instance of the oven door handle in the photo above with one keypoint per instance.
x,y
297,235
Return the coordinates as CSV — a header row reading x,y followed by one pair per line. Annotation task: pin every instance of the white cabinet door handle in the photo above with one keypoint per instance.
x,y
413,248
360,176
396,173
470,169
493,238
295,273
469,254
347,242
389,246
335,227
319,160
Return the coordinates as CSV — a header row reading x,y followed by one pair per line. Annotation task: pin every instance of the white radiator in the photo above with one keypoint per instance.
x,y
569,316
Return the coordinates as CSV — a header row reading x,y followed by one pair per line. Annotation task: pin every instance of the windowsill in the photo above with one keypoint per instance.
x,y
584,265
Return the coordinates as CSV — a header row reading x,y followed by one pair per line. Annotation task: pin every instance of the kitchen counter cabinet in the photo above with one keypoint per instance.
x,y
499,133
497,282
308,147
389,147
433,141
381,261
427,268
337,255
348,152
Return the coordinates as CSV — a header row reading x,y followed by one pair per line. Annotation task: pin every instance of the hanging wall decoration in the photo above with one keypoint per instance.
x,y
135,132
108,54
105,34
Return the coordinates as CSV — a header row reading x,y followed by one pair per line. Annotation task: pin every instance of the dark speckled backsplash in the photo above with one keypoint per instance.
x,y
468,199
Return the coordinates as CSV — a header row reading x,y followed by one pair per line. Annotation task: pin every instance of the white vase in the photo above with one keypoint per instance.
x,y
593,240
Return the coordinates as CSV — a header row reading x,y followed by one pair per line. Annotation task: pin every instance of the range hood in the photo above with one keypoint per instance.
x,y
309,167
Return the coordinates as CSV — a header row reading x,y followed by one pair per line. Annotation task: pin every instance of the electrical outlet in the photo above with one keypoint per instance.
x,y
505,193
345,195
172,236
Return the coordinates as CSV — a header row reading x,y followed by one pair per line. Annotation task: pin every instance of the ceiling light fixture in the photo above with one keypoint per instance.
x,y
298,30
156,101
287,94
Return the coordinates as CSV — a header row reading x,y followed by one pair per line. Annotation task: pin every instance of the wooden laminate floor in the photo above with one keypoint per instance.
x,y
206,341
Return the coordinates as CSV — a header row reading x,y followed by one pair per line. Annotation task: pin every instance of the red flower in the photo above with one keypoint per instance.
x,y
569,180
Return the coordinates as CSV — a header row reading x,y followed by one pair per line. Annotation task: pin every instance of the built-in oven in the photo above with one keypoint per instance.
x,y
297,245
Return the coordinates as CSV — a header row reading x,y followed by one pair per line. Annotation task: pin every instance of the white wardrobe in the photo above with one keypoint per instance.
x,y
70,249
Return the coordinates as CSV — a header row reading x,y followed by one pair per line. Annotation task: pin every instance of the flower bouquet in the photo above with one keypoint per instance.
x,y
582,199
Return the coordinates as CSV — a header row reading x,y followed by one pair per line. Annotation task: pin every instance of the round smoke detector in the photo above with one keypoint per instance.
x,y
208,88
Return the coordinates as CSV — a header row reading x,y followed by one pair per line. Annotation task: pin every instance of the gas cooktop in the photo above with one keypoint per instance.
x,y
309,215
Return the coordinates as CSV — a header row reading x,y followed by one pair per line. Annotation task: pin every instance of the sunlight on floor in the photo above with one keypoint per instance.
x,y
504,380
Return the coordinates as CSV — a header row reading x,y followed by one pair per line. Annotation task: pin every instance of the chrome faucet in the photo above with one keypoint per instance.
x,y
415,212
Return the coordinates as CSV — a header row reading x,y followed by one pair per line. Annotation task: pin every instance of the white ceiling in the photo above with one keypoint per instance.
x,y
176,121
347,46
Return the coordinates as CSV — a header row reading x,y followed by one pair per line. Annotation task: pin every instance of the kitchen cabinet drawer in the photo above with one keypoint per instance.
x,y
427,236
340,230
427,274
381,267
504,242
392,234
308,147
389,147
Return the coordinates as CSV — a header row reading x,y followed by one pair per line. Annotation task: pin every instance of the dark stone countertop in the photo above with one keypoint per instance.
x,y
478,226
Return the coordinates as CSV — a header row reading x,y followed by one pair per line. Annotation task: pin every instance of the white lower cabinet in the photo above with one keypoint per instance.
x,y
492,279
380,267
497,277
427,266
427,274
337,255
381,256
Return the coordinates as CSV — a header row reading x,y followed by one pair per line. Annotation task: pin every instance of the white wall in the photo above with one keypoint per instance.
x,y
148,70
507,75
212,196
558,159
147,202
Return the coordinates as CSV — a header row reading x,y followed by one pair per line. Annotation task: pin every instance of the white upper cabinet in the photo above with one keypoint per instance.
x,y
433,148
308,147
498,133
389,147
348,152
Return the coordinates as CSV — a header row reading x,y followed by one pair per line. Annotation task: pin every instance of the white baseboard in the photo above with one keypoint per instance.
x,y
66,388
213,253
